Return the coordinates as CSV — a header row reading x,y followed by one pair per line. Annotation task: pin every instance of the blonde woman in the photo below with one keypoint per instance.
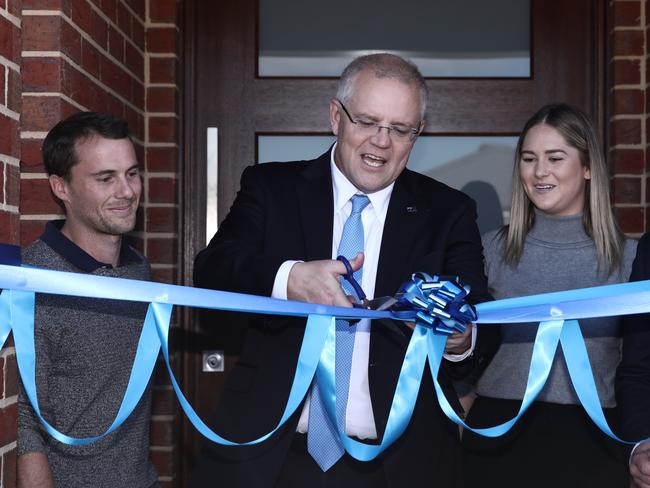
x,y
562,235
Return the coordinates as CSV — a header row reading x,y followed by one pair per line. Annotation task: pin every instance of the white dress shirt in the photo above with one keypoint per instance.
x,y
359,418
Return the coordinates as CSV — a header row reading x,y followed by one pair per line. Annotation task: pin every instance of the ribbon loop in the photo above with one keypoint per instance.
x,y
438,302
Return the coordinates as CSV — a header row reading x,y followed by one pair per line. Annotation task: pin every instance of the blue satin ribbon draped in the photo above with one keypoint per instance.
x,y
556,312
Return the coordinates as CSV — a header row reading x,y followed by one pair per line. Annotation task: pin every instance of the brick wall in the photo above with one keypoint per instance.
x,y
628,136
162,202
61,56
10,109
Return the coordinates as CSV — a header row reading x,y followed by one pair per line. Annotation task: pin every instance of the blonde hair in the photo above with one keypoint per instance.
x,y
598,218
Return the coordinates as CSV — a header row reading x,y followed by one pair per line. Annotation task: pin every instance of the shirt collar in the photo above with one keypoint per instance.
x,y
344,190
53,237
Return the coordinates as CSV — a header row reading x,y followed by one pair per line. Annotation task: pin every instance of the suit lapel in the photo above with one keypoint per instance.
x,y
316,207
405,216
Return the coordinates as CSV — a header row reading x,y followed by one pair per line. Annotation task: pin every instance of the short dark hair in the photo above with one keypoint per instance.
x,y
59,154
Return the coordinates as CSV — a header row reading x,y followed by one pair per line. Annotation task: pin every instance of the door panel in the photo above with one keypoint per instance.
x,y
221,90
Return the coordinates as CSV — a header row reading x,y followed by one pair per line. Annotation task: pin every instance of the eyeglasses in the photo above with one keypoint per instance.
x,y
398,132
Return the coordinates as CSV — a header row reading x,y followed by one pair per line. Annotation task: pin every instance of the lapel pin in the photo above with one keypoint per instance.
x,y
411,209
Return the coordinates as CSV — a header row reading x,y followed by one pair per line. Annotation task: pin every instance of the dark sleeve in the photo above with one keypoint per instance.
x,y
633,374
464,258
235,259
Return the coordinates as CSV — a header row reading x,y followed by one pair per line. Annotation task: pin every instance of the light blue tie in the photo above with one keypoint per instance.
x,y
323,442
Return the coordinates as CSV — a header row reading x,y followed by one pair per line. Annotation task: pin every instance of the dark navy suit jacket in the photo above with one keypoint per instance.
x,y
285,211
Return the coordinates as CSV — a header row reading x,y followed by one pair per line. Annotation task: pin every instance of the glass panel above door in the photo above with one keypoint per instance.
x,y
480,166
463,38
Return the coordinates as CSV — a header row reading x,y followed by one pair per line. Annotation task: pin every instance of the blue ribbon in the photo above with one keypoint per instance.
x,y
555,311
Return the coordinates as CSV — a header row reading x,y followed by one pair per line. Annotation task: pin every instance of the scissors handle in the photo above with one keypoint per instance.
x,y
349,277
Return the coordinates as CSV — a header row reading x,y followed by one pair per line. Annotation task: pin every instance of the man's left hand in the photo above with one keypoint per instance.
x,y
640,466
458,343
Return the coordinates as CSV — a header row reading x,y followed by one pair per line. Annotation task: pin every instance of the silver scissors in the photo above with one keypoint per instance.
x,y
381,303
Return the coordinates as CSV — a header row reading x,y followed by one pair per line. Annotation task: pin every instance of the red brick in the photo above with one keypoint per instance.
x,y
15,7
9,227
138,35
31,159
161,250
628,43
139,153
109,7
100,30
162,129
9,469
81,89
163,70
162,190
162,159
14,91
627,190
167,275
161,40
90,57
12,185
626,72
138,8
11,377
8,136
162,433
116,78
3,101
41,113
628,102
81,14
44,4
163,461
124,19
115,44
628,161
136,122
36,198
41,33
630,219
9,40
161,219
115,105
2,377
2,183
71,42
134,61
627,14
163,11
8,417
626,131
41,74
30,230
161,99
137,90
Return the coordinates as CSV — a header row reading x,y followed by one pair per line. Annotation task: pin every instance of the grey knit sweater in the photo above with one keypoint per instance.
x,y
84,352
558,255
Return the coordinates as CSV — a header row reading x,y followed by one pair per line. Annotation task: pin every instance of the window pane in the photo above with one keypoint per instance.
x,y
464,38
479,166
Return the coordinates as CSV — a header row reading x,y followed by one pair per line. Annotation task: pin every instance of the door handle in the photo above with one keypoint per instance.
x,y
212,180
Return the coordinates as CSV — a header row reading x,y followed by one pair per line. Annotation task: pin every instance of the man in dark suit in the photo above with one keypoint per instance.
x,y
633,376
279,239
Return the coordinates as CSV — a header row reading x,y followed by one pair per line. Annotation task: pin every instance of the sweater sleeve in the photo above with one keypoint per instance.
x,y
30,436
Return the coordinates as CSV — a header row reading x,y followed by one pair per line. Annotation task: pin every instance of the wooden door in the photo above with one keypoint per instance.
x,y
221,90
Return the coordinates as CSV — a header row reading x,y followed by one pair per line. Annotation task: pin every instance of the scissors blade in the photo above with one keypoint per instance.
x,y
379,304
